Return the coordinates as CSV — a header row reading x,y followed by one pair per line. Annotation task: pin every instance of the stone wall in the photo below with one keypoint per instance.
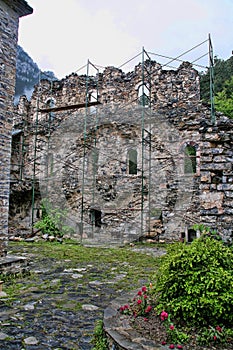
x,y
216,176
83,155
10,11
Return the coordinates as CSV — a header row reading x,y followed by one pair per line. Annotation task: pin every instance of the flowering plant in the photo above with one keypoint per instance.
x,y
212,335
140,305
174,336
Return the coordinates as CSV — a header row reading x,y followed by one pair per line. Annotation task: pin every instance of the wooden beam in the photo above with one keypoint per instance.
x,y
68,107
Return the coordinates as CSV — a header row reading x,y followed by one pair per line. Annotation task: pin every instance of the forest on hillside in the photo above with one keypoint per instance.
x,y
223,86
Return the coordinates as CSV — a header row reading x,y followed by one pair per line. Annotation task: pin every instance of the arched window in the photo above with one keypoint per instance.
x,y
93,98
143,95
51,102
190,160
132,161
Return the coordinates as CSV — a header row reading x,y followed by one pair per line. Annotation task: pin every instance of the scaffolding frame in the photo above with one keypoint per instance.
x,y
145,134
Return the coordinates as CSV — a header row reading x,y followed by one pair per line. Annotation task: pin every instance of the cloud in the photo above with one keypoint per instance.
x,y
61,36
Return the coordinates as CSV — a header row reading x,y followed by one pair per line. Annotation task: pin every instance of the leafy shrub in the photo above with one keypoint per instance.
x,y
195,283
52,221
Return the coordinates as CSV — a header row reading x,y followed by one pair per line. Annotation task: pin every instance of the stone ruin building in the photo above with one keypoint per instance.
x,y
127,155
10,12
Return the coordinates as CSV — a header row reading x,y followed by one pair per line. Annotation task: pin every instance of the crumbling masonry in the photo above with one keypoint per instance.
x,y
10,11
127,154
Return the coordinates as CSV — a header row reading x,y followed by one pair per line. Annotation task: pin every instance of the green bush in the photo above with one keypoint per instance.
x,y
195,283
52,221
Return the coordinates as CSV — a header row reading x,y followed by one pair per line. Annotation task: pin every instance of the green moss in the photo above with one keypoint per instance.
x,y
124,268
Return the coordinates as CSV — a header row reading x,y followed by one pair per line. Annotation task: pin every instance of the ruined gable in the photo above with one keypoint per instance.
x,y
135,165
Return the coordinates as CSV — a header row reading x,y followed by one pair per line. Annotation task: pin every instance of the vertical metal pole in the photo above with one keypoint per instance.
x,y
142,141
21,154
149,185
84,148
95,153
34,159
211,70
51,104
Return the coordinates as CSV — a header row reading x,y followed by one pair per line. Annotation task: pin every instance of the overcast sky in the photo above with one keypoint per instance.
x,y
62,34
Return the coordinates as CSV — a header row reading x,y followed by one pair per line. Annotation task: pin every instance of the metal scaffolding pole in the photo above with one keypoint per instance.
x,y
211,70
35,159
88,104
146,106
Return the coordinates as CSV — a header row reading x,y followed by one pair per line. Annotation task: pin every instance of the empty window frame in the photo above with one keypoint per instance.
x,y
132,162
143,95
93,97
51,102
95,216
192,234
190,160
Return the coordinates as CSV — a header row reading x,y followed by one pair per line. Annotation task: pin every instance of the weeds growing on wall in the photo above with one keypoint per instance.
x,y
99,339
52,221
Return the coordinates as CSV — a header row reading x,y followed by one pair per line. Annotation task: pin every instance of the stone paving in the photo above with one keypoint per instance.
x,y
58,306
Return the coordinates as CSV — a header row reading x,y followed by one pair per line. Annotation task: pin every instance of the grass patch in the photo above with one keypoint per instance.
x,y
120,268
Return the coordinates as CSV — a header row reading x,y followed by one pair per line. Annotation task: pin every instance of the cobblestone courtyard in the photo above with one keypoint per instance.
x,y
56,306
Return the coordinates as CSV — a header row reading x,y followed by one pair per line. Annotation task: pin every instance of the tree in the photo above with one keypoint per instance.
x,y
224,99
223,71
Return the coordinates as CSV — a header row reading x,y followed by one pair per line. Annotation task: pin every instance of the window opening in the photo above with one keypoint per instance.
x,y
51,103
132,158
182,237
93,97
143,96
190,160
217,177
95,216
192,234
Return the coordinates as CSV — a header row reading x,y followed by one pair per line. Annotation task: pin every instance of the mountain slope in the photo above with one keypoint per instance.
x,y
27,74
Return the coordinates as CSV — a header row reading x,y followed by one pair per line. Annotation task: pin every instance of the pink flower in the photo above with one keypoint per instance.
x,y
219,329
179,347
139,292
144,289
148,309
123,308
145,296
139,301
172,327
163,315
171,346
215,338
145,319
163,343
